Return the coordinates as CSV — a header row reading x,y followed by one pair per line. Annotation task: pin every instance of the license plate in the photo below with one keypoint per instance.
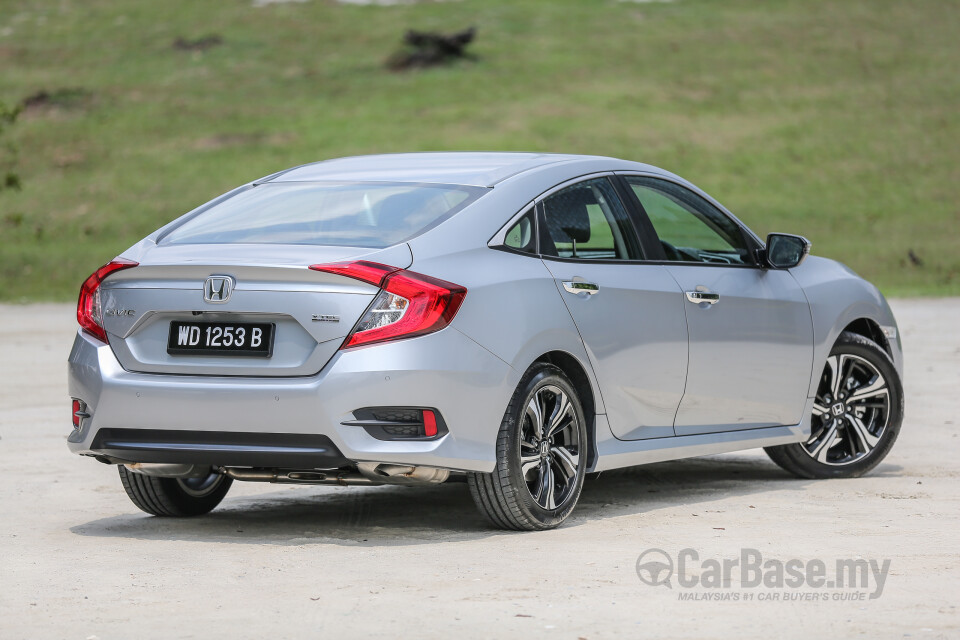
x,y
251,339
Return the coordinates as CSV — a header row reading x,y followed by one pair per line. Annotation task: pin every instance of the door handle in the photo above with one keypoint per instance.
x,y
588,288
696,297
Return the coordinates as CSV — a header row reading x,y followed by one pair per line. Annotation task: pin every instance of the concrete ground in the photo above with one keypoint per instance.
x,y
77,560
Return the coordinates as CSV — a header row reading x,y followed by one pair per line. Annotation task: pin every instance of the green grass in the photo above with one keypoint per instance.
x,y
836,120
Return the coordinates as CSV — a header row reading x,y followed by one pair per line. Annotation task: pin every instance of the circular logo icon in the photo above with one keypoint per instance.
x,y
654,567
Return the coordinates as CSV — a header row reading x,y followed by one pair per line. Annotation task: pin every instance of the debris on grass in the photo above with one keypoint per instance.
x,y
63,98
200,44
263,3
11,181
426,49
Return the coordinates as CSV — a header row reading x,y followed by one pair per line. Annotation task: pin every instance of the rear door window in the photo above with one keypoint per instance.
x,y
587,221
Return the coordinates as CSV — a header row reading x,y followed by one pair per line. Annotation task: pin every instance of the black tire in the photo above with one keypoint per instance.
x,y
854,457
505,496
173,497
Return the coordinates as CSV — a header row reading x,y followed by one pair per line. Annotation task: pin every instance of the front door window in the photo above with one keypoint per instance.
x,y
689,228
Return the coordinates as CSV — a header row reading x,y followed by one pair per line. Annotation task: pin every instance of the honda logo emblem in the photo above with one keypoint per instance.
x,y
217,289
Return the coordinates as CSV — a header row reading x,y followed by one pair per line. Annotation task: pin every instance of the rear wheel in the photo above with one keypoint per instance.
x,y
174,497
541,456
856,414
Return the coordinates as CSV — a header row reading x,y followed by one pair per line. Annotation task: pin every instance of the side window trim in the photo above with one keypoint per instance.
x,y
542,247
649,241
751,241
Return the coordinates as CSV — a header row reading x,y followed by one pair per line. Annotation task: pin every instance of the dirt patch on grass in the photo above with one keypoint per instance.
x,y
198,44
229,140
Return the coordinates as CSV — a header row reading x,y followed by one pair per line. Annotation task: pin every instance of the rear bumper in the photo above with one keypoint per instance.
x,y
219,448
295,422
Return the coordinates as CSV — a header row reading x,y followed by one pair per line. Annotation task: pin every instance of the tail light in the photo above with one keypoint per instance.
x,y
89,313
409,304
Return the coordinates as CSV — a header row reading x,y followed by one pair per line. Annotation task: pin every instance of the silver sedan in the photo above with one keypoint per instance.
x,y
512,320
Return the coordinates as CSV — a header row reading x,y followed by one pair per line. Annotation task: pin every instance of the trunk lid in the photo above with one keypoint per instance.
x,y
311,312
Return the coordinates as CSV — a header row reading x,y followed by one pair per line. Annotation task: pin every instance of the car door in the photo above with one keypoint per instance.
x,y
629,313
750,329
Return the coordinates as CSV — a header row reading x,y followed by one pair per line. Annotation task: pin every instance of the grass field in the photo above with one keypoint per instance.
x,y
837,120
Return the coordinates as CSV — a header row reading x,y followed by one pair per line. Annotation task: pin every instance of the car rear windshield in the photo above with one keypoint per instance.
x,y
371,215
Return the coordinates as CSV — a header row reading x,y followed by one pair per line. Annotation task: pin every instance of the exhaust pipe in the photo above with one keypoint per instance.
x,y
342,478
160,470
402,474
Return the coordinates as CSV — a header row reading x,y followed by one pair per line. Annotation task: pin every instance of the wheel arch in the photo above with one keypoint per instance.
x,y
577,373
841,301
861,318
869,328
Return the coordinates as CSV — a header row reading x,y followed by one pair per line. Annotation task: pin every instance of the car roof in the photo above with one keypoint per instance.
x,y
482,169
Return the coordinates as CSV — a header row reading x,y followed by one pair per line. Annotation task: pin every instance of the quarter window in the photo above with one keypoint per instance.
x,y
587,221
690,229
521,236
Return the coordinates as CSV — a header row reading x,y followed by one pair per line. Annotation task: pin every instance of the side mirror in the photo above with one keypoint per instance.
x,y
785,251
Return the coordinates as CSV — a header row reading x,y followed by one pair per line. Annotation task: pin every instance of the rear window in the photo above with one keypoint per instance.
x,y
371,215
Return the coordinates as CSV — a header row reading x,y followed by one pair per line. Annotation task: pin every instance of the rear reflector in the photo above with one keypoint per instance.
x,y
399,423
409,304
429,423
79,411
88,306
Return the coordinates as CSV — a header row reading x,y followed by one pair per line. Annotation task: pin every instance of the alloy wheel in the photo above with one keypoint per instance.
x,y
200,487
850,412
550,447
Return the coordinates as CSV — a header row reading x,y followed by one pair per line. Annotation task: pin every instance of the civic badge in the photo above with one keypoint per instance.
x,y
217,289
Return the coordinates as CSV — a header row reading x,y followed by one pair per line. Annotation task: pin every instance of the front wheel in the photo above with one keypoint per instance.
x,y
175,497
856,414
541,455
